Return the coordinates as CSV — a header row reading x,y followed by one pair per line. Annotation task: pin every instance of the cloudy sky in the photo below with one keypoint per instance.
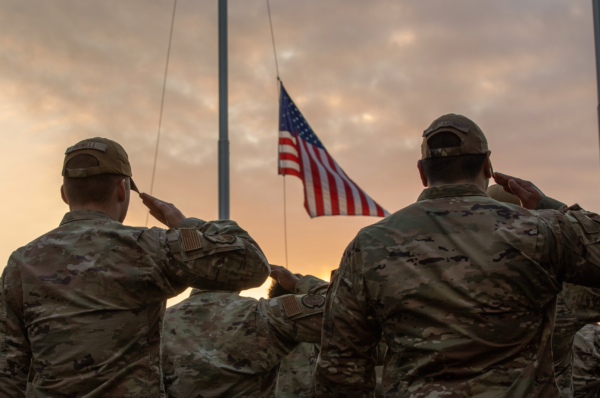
x,y
369,76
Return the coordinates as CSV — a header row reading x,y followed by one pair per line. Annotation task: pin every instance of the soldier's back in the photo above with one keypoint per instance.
x,y
90,308
456,284
211,346
586,366
220,344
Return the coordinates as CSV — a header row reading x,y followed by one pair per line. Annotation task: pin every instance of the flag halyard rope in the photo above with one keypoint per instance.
x,y
284,190
162,103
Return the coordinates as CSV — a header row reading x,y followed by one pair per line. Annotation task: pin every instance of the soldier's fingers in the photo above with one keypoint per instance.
x,y
519,190
158,216
502,180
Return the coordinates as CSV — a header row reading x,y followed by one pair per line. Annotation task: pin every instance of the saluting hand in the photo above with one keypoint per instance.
x,y
164,212
529,194
284,276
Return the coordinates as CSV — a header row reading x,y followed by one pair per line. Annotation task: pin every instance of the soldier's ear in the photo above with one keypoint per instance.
x,y
122,191
63,194
488,170
422,173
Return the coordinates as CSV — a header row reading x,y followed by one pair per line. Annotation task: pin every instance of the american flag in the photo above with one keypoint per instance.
x,y
328,191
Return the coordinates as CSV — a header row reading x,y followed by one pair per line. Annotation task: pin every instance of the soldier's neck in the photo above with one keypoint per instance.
x,y
113,211
480,181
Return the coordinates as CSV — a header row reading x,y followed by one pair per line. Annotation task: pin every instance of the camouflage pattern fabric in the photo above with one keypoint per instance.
x,y
586,368
296,378
84,303
220,344
577,306
463,289
309,284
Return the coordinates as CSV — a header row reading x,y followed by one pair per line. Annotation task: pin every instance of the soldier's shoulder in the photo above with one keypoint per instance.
x,y
213,301
22,251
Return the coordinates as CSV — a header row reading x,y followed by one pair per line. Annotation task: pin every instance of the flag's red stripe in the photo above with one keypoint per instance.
x,y
287,141
288,156
318,188
363,198
300,149
333,192
380,212
292,172
349,195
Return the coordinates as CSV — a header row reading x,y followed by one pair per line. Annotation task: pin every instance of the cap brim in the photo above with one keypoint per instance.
x,y
133,186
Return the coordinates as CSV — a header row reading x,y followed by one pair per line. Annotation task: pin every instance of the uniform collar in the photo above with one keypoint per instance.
x,y
78,215
445,191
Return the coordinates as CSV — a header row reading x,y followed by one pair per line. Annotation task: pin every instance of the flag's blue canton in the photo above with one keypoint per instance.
x,y
292,120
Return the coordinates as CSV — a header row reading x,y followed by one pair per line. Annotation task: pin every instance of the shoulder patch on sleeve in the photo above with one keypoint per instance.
x,y
222,239
190,239
290,305
313,301
588,224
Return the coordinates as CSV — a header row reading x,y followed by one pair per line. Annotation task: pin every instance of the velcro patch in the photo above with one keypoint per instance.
x,y
190,239
313,301
290,305
447,123
588,224
98,146
222,239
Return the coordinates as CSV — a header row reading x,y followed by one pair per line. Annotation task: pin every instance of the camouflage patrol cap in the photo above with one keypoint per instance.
x,y
473,141
111,157
498,193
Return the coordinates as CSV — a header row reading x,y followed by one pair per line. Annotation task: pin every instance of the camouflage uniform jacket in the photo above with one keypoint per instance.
x,y
296,376
463,289
586,368
84,303
220,344
577,306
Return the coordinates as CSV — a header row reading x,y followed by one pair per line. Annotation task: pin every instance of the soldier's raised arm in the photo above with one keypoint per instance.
x,y
306,284
293,318
215,254
572,234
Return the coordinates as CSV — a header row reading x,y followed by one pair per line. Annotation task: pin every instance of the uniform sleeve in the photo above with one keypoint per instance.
x,y
583,302
216,255
580,238
350,335
15,353
548,203
309,284
286,321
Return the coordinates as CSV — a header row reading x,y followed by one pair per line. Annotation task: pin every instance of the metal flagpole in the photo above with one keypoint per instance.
x,y
596,12
223,115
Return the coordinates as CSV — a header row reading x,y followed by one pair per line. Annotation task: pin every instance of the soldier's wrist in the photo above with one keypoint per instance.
x,y
191,222
547,203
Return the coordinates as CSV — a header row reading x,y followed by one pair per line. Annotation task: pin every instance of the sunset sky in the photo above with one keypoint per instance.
x,y
369,76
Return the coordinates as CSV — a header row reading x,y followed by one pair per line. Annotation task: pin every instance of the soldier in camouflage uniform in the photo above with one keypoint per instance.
x,y
297,370
220,344
577,306
461,287
586,368
84,303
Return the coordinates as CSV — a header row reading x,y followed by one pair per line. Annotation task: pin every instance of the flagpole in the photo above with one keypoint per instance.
x,y
596,13
223,115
